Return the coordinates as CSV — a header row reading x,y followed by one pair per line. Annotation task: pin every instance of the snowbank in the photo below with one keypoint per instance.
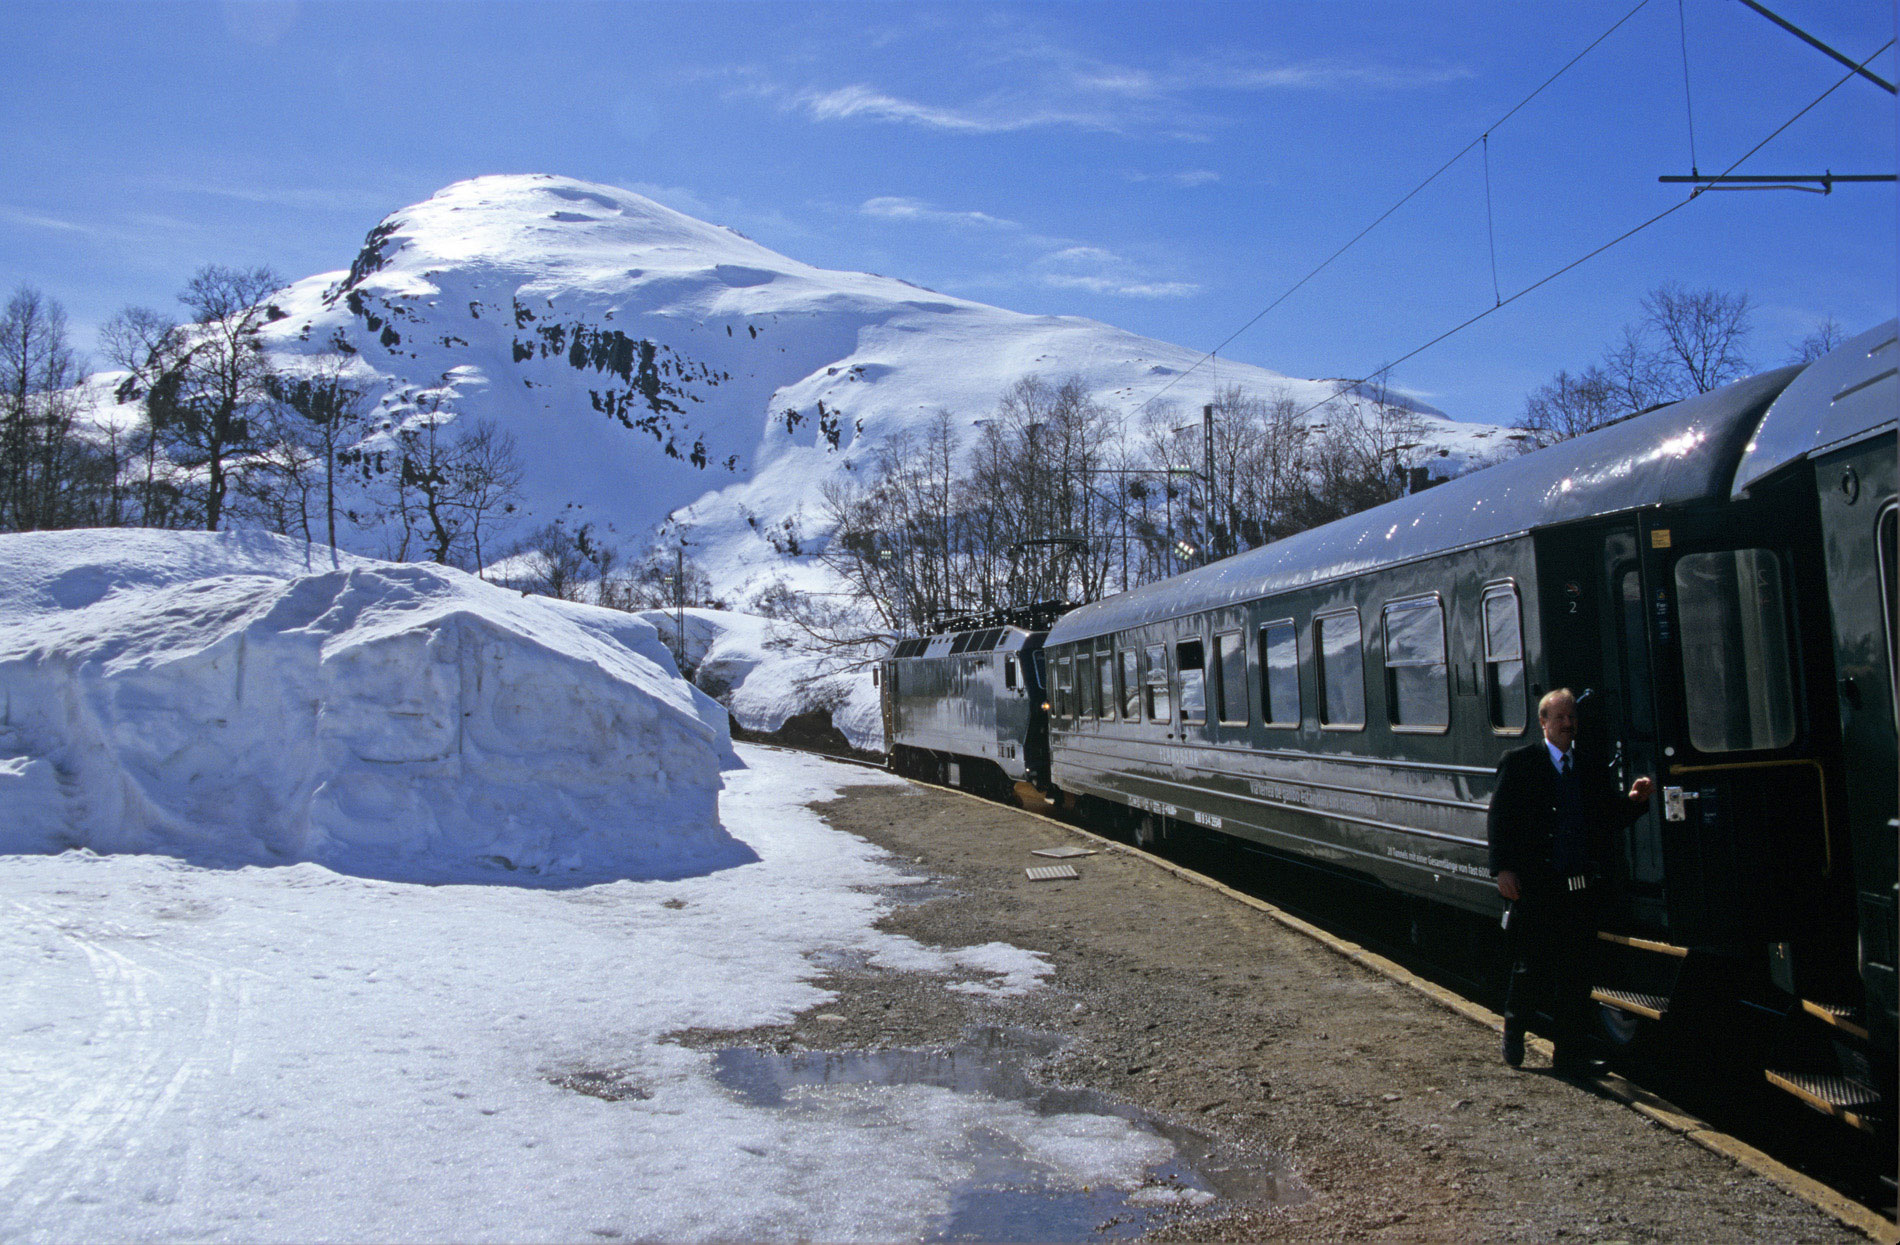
x,y
755,668
230,698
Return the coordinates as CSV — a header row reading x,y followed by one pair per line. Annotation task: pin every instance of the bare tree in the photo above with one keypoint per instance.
x,y
38,406
206,385
1697,336
1569,406
135,341
1829,336
560,562
1685,342
487,473
322,417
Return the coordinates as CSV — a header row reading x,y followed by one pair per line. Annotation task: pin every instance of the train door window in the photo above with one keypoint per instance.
x,y
1504,660
1280,674
1737,668
1154,683
1642,699
1105,682
1230,652
1130,686
1889,528
1009,670
1061,699
1084,684
1417,693
1342,671
1190,658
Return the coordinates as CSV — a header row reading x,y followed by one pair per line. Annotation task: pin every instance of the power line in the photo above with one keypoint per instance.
x,y
1688,101
1406,198
1622,237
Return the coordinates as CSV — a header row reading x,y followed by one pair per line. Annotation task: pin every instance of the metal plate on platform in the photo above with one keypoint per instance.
x,y
1051,873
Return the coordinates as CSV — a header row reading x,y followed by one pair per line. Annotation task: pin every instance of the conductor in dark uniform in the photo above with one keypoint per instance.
x,y
1551,822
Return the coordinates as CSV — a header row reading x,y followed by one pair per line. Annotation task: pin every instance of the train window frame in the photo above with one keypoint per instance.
x,y
1010,680
1128,673
1183,682
1084,683
1104,669
1494,689
1227,682
1771,706
1157,697
1059,690
1395,692
1269,703
1357,650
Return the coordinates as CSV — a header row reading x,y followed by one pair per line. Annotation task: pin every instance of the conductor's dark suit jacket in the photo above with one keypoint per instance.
x,y
1523,816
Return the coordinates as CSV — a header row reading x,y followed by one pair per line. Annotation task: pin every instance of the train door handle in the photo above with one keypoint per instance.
x,y
1675,803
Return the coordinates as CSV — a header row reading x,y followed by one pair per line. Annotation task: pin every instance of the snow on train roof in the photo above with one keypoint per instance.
x,y
1847,393
1686,451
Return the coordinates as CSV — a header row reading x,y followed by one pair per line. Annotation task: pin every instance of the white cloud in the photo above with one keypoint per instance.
x,y
1188,178
1121,289
991,117
895,207
1053,86
33,220
1096,270
1082,254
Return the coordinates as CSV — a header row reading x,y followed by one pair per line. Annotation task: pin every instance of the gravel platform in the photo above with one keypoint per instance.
x,y
1343,1105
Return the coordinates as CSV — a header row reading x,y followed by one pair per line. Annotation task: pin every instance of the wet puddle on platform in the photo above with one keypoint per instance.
x,y
1052,1164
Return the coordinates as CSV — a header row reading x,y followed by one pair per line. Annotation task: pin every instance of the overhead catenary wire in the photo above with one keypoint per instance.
x,y
1403,200
1688,100
1627,234
1490,226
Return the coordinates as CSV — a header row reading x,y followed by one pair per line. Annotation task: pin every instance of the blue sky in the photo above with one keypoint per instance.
x,y
1168,168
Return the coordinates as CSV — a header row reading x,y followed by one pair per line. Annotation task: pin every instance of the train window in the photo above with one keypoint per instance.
x,y
1009,670
1191,661
1084,685
1130,687
1417,693
1154,683
1641,696
1737,669
1889,535
1504,660
1342,671
1230,651
1105,682
1060,706
1280,674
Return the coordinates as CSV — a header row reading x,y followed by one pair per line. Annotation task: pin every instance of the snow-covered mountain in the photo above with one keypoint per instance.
x,y
653,365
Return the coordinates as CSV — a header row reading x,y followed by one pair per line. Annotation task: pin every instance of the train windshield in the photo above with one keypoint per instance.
x,y
1737,671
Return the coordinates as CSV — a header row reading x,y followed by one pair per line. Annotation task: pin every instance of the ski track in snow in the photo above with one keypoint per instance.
x,y
163,1017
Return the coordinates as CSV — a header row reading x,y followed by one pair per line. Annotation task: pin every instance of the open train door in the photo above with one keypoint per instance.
x,y
1682,625
1596,642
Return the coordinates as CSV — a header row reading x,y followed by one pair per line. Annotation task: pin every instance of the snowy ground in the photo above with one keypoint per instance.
x,y
282,1053
347,900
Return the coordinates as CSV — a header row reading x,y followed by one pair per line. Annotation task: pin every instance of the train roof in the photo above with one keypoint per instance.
x,y
1684,452
1847,394
981,640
